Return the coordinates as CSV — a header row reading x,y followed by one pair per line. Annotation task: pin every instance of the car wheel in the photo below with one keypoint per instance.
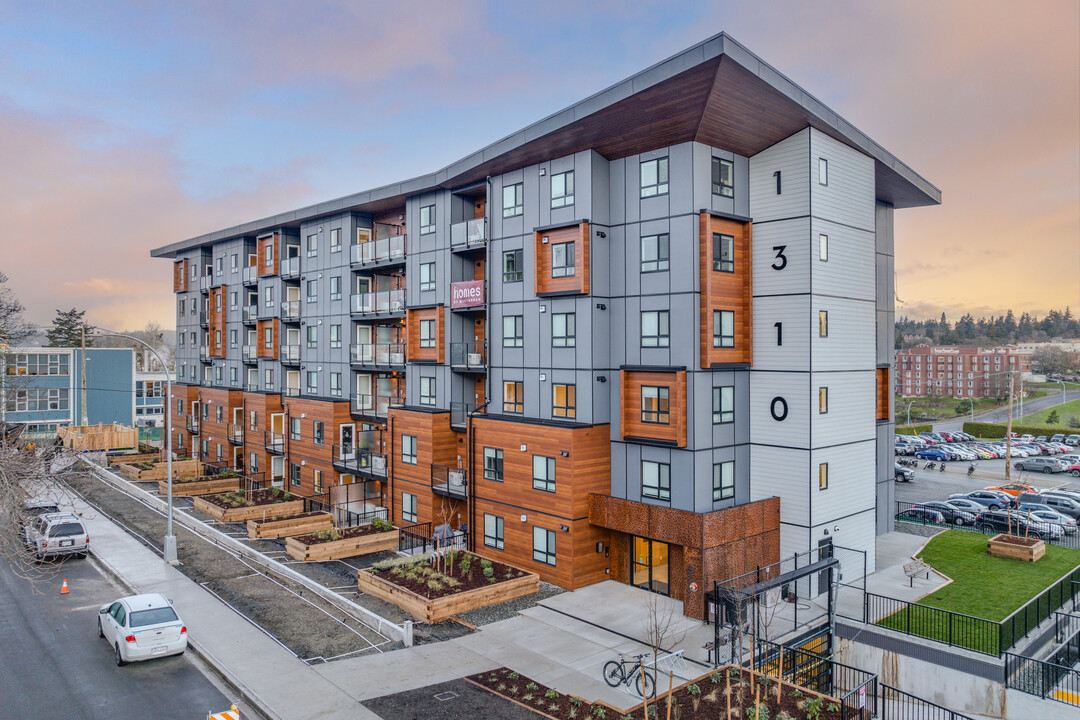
x,y
119,658
1047,470
1018,466
995,507
959,521
100,630
1075,473
986,529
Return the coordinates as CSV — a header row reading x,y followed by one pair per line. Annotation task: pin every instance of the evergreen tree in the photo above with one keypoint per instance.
x,y
67,329
1053,418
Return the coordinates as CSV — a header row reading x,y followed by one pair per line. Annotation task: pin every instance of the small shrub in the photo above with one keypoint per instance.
x,y
715,677
553,707
512,690
485,563
532,686
626,717
599,712
733,672
287,496
813,708
452,582
833,707
500,687
465,564
759,711
551,694
797,692
382,525
652,711
575,701
434,585
513,676
489,572
693,689
527,697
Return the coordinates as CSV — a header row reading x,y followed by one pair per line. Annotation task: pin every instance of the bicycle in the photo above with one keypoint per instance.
x,y
644,680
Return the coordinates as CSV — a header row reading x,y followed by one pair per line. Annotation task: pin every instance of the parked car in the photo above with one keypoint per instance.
x,y
1059,438
1038,464
1066,523
56,534
903,448
902,474
932,454
1013,489
952,514
921,515
33,508
1058,502
140,627
999,522
987,498
963,503
1073,440
1074,470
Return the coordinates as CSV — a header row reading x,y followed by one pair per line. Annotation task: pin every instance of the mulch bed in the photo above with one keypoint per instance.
x,y
269,496
1015,540
345,533
466,569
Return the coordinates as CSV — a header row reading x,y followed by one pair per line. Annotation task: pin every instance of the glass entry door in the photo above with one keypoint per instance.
x,y
649,565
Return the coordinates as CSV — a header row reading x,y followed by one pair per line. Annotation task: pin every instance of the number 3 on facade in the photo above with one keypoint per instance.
x,y
781,259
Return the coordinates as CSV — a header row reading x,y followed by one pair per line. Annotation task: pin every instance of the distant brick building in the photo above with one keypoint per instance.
x,y
957,371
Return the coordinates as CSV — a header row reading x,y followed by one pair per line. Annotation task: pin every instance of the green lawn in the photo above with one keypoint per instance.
x,y
983,586
1066,411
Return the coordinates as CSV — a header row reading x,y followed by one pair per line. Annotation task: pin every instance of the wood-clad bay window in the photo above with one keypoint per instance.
x,y
725,305
653,405
562,259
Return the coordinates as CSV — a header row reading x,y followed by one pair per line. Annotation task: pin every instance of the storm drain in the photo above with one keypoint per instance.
x,y
444,696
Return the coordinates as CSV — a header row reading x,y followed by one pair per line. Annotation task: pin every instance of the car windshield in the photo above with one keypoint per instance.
x,y
66,529
142,618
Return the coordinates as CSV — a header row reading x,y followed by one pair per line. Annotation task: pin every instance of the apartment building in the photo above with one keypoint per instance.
x,y
647,338
958,372
150,398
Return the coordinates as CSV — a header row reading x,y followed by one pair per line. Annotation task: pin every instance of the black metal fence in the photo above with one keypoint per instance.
x,y
856,689
1043,678
415,537
343,517
895,704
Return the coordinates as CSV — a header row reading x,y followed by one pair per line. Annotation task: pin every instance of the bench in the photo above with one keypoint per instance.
x,y
916,567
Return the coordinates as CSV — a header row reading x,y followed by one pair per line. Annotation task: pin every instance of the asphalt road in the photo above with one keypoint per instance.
x,y
52,663
1002,415
935,485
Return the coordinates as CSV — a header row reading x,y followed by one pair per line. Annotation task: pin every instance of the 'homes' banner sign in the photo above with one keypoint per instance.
x,y
466,294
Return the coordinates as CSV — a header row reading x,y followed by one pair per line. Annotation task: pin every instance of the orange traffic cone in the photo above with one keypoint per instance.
x,y
64,590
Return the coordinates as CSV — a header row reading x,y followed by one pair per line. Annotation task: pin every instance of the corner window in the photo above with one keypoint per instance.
x,y
544,546
408,507
822,400
543,473
823,476
723,480
562,189
654,328
427,391
823,248
427,333
408,449
723,253
823,323
564,401
723,328
512,266
563,329
823,171
654,177
493,531
562,260
513,199
427,276
654,253
493,464
723,177
514,397
427,219
723,404
656,480
654,405
513,331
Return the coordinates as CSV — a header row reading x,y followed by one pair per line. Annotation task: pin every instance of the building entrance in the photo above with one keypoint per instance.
x,y
649,565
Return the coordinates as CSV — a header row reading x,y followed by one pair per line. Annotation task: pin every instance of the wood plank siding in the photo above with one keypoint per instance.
x,y
264,242
180,276
884,393
261,350
412,329
216,322
543,241
725,290
674,430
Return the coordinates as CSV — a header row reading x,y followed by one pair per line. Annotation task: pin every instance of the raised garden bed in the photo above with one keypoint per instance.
x,y
130,458
343,543
301,524
469,582
706,698
151,471
1012,546
203,485
241,507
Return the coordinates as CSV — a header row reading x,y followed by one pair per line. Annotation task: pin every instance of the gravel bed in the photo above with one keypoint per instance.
x,y
510,608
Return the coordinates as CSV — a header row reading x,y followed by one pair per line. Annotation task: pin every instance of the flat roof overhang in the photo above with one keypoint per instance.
x,y
717,93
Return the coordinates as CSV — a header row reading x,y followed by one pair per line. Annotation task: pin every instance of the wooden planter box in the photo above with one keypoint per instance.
x,y
443,608
180,468
1030,551
267,511
208,486
133,458
337,549
298,525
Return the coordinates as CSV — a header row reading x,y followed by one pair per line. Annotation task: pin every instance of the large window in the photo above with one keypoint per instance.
x,y
562,189
654,253
563,329
513,200
512,266
723,177
654,177
408,507
544,546
427,276
723,404
514,397
427,219
427,391
493,464
723,480
562,260
655,480
564,401
654,328
39,364
654,404
723,328
723,252
493,531
513,331
544,473
408,449
38,399
427,333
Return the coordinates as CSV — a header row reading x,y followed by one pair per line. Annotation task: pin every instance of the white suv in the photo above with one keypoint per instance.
x,y
57,534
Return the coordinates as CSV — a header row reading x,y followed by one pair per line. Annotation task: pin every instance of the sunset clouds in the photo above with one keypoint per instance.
x,y
127,126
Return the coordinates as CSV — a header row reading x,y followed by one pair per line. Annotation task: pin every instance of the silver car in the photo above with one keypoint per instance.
x,y
141,627
56,534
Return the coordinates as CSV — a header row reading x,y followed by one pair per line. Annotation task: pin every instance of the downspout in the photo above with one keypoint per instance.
x,y
472,477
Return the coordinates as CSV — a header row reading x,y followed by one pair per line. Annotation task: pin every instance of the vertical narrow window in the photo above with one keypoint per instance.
x,y
723,177
408,449
654,177
514,397
823,323
312,337
563,330
823,400
312,382
562,189
656,480
513,331
427,219
544,546
512,266
335,287
654,328
823,171
654,404
543,473
312,290
335,240
654,253
408,507
564,401
335,384
312,245
493,531
513,200
723,404
427,276
562,260
493,464
427,391
294,428
723,480
335,336
823,248
723,253
317,434
427,333
723,328
317,475
823,476
294,474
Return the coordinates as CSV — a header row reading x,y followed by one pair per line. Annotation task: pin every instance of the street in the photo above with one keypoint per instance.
x,y
52,663
1001,415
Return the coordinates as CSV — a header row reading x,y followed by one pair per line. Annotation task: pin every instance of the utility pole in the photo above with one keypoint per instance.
x,y
82,377
1008,435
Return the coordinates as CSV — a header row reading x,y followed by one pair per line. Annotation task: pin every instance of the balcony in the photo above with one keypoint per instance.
x,y
274,442
289,269
204,321
290,354
252,387
250,275
354,461
375,406
193,424
204,353
468,235
250,314
468,356
449,481
250,353
459,415
205,281
386,250
378,354
384,302
290,311
236,434
290,391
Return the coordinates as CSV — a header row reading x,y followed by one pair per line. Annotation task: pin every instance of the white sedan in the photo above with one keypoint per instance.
x,y
140,627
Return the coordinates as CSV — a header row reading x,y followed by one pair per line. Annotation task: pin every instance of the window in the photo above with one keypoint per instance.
x,y
493,531
723,328
512,266
408,449
269,254
312,336
294,428
564,401
823,171
233,299
655,480
179,441
253,420
408,507
312,245
654,253
723,177
427,219
514,397
427,333
823,248
544,546
513,331
219,264
312,382
335,336
562,189
294,474
513,200
654,404
427,276
723,480
562,260
312,290
427,391
217,302
493,464
654,328
654,177
823,323
723,404
268,337
823,400
335,240
823,476
181,307
335,287
317,432
219,414
317,475
563,329
335,384
723,253
268,296
544,473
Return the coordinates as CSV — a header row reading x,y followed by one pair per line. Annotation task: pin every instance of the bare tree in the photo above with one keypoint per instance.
x,y
14,328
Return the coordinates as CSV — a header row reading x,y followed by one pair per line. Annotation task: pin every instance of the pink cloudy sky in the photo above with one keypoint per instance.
x,y
125,126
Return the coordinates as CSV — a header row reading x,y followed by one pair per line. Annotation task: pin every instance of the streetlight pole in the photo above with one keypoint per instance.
x,y
909,412
972,408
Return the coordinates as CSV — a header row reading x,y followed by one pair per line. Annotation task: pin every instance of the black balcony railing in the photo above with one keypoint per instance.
x,y
274,442
235,432
470,233
468,355
355,461
375,405
449,481
381,354
290,354
290,311
381,302
193,424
